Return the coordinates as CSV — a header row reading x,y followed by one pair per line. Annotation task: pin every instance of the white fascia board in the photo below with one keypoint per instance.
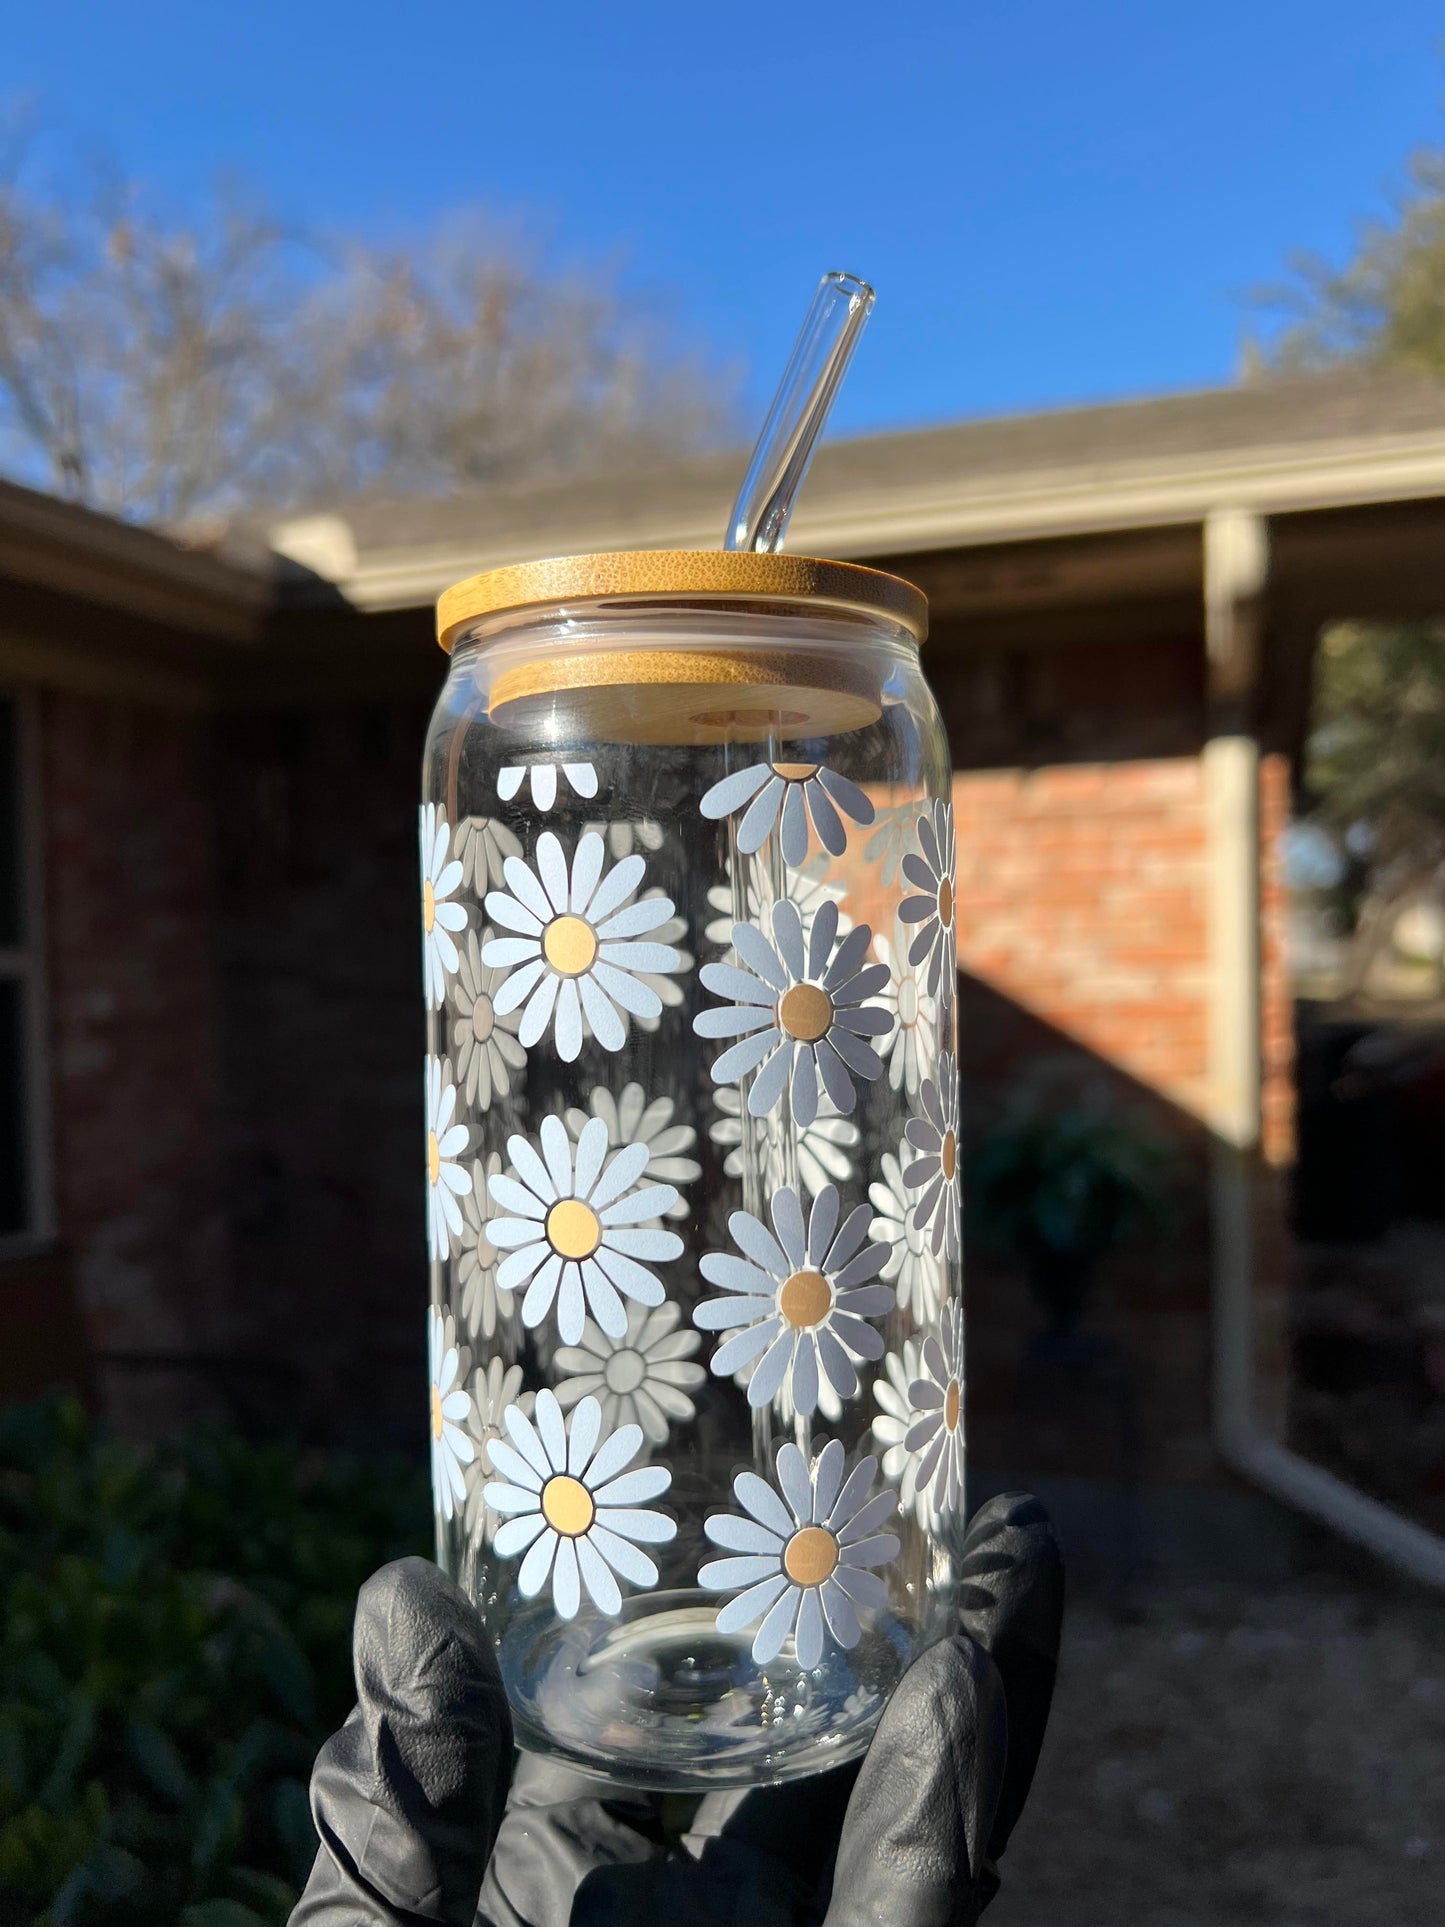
x,y
969,513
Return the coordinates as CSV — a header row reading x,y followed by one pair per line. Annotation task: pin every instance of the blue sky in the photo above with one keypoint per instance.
x,y
1056,202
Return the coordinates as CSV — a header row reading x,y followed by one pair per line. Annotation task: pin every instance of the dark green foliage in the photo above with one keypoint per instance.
x,y
1060,1192
175,1642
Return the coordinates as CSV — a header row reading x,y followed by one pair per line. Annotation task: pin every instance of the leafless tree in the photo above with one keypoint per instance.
x,y
177,371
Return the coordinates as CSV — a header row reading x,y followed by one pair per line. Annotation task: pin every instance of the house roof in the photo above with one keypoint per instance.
x,y
1275,447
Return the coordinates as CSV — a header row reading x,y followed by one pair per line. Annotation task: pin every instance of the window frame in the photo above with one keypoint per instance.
x,y
24,963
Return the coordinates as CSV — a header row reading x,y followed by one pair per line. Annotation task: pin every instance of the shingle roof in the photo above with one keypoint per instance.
x,y
1127,463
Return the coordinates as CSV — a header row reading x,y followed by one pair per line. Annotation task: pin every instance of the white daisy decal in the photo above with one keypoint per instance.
x,y
934,1171
913,1266
930,870
576,1227
800,1563
915,1015
822,1146
483,1304
794,791
630,1119
800,1010
890,1428
441,877
581,779
801,1299
575,949
484,1045
642,1378
445,1142
891,840
451,1407
809,888
935,1430
663,983
483,844
624,837
571,1505
493,1390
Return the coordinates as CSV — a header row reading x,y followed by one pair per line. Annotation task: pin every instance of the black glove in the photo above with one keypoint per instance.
x,y
416,1821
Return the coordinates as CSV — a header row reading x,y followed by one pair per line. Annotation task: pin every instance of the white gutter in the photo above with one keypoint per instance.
x,y
963,512
1235,564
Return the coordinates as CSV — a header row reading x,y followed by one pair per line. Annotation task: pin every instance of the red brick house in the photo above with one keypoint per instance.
x,y
208,760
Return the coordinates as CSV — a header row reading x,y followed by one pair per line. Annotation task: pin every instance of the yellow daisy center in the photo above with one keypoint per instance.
x,y
805,1012
433,1158
810,1556
805,1300
795,772
567,1506
570,945
948,1155
436,1413
953,1405
484,1021
428,906
573,1229
945,901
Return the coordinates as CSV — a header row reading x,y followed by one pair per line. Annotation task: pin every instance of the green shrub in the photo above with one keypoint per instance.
x,y
175,1642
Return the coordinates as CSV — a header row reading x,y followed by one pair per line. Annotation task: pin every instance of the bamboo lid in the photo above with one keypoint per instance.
x,y
707,693
702,574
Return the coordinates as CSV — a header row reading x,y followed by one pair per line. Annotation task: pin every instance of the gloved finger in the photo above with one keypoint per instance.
x,y
754,1857
408,1796
954,1755
914,1847
559,1826
1012,1605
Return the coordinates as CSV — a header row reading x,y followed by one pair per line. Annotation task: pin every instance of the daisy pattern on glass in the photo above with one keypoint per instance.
x,y
913,1266
630,1119
570,1504
575,946
934,1171
483,1305
441,876
794,792
801,1012
801,1299
914,1013
445,1142
935,1428
800,1563
626,836
822,1146
642,1378
451,1408
581,780
809,888
576,1230
484,1045
483,844
493,1390
930,870
891,840
890,1428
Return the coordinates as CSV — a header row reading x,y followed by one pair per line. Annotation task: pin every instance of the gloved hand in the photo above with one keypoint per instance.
x,y
417,1823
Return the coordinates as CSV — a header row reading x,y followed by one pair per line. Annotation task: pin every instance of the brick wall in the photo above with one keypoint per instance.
x,y
127,844
1083,940
320,971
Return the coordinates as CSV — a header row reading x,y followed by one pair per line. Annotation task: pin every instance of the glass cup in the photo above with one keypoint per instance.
x,y
696,1332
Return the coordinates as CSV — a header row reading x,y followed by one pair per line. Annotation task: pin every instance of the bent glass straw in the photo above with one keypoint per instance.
x,y
818,363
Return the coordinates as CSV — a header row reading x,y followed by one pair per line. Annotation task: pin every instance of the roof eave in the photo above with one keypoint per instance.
x,y
1097,499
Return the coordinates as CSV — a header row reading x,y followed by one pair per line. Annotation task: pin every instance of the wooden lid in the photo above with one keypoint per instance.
x,y
685,574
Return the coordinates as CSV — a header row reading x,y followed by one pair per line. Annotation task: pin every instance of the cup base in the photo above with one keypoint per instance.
x,y
660,1700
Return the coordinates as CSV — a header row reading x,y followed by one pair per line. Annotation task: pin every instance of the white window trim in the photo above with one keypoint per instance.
x,y
27,964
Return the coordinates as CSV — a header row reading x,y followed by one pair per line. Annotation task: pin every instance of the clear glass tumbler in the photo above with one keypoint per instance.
x,y
696,1331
